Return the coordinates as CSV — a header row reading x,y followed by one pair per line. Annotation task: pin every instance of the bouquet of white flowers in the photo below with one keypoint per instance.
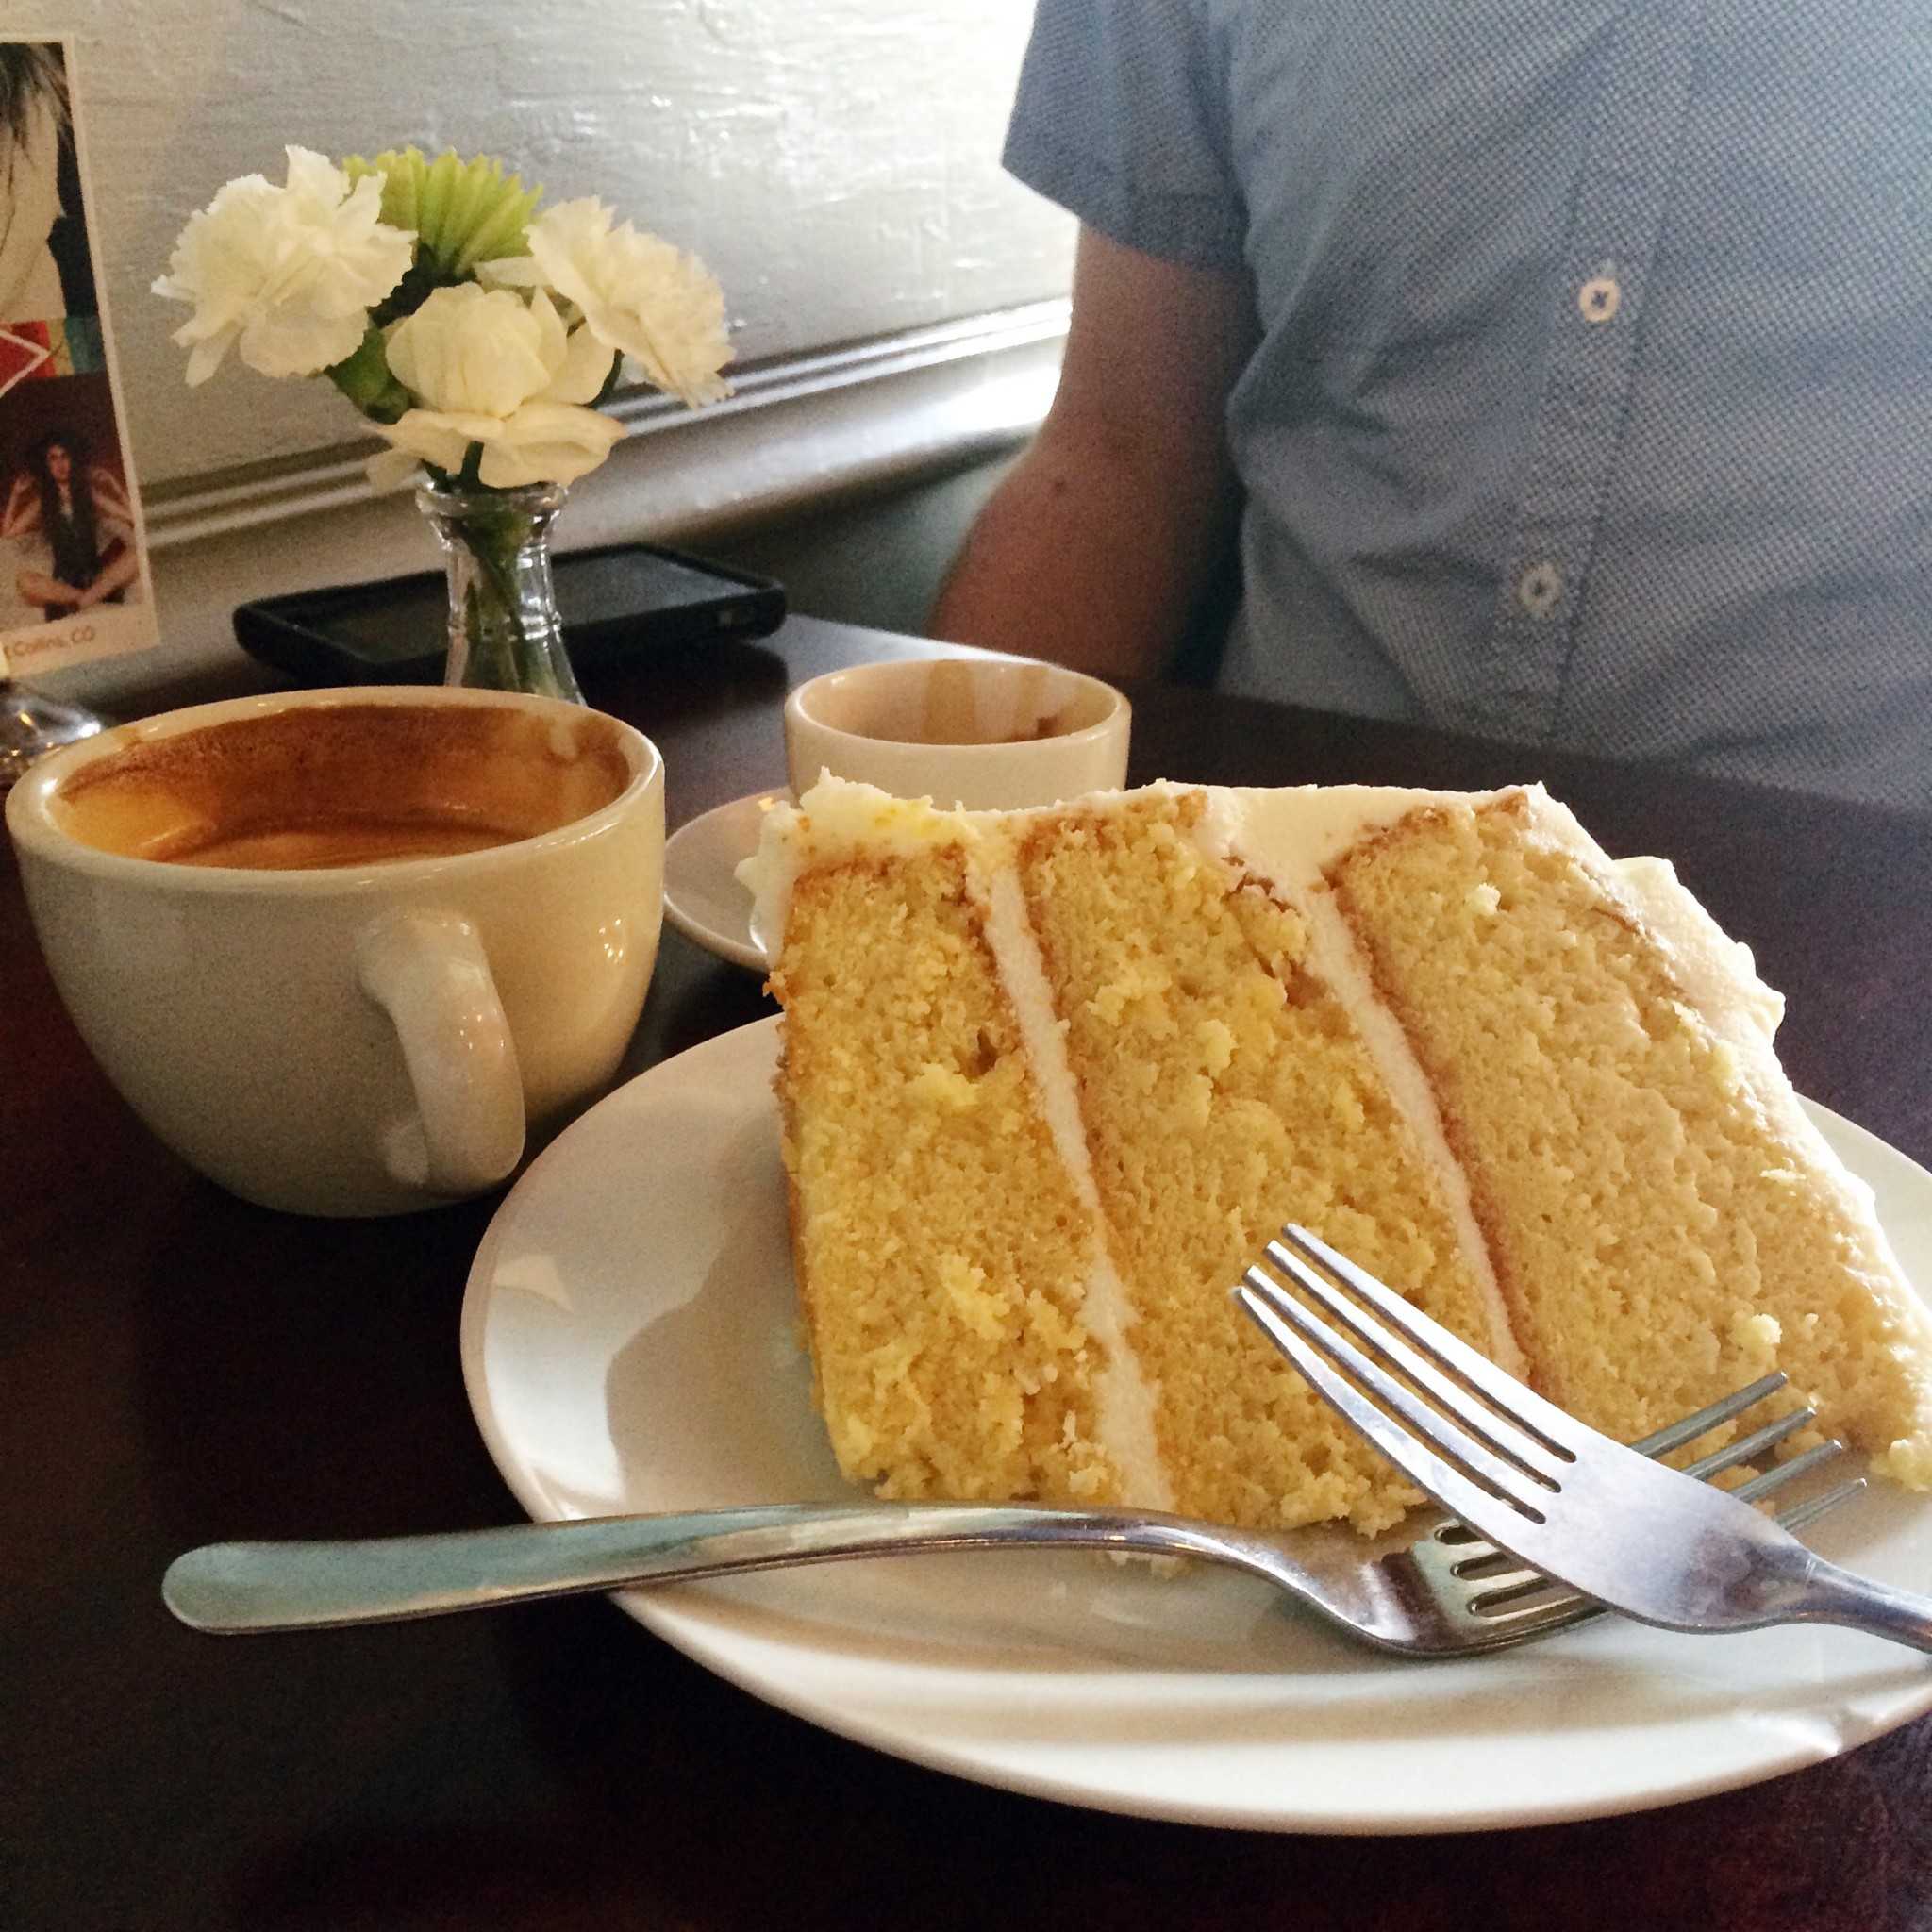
x,y
475,334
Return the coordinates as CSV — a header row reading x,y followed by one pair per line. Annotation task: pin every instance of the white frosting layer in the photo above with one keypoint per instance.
x,y
1288,839
1123,1402
836,818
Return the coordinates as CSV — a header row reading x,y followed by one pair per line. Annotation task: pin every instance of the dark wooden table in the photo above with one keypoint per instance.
x,y
176,1367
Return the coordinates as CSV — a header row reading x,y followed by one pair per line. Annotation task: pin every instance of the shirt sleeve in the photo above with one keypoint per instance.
x,y
1122,117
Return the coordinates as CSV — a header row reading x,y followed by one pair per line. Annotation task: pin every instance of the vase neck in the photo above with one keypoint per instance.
x,y
505,633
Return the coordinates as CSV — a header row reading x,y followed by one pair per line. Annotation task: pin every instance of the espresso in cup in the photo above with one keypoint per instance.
x,y
344,951
982,731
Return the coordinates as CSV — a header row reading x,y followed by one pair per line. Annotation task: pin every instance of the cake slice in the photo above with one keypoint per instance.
x,y
1051,1079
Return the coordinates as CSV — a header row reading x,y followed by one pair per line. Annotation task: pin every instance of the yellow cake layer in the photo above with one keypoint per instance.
x,y
1217,1079
1662,1228
941,1252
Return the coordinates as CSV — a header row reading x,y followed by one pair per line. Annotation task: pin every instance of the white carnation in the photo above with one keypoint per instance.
x,y
638,294
286,275
487,366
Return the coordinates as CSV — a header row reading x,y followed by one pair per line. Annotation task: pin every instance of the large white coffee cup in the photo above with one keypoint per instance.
x,y
342,950
985,732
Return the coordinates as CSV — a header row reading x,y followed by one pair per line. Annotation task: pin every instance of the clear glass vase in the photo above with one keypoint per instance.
x,y
503,630
32,725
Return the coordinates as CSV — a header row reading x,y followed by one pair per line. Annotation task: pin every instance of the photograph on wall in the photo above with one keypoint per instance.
x,y
74,571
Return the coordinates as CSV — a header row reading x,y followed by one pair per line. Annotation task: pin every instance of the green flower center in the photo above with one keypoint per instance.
x,y
462,212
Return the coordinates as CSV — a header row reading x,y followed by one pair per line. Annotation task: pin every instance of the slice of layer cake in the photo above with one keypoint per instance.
x,y
1051,1079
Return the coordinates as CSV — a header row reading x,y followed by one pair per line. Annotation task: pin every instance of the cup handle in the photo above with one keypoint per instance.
x,y
427,972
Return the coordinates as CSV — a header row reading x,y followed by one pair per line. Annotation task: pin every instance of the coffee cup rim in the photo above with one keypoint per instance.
x,y
33,828
798,705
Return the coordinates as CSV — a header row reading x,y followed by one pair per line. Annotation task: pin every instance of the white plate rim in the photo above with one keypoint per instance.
x,y
690,852
683,1617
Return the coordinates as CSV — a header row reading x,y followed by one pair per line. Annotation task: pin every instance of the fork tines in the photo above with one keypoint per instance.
x,y
1508,1442
1499,1435
1530,1482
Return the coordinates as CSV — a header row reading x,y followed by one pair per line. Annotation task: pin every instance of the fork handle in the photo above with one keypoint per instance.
x,y
1832,1595
234,1588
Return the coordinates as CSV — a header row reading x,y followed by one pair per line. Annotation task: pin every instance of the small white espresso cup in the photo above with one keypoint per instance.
x,y
343,949
988,733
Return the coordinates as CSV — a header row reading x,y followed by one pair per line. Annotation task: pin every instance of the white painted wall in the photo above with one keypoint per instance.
x,y
834,161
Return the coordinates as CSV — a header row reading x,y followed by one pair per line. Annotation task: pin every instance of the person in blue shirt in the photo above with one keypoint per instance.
x,y
1560,370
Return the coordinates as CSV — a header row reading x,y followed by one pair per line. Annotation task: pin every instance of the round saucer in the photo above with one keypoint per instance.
x,y
703,899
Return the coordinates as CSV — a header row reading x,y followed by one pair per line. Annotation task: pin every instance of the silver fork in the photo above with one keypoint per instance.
x,y
1631,1533
1442,1595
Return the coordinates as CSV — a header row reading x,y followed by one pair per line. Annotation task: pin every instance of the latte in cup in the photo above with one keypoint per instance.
x,y
345,951
345,786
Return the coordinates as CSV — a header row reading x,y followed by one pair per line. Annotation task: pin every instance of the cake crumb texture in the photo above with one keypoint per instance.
x,y
942,1251
1663,1227
1217,1082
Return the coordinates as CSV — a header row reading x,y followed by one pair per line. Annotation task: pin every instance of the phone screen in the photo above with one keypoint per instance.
x,y
610,599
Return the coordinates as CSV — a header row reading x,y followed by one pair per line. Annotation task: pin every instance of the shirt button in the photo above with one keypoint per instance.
x,y
1540,589
1599,298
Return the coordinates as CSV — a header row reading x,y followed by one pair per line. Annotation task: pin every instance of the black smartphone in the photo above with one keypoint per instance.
x,y
615,599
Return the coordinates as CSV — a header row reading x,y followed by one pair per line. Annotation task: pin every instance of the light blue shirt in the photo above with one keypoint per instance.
x,y
1594,401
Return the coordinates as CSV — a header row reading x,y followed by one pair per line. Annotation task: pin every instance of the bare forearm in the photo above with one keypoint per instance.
x,y
1096,546
1088,558
22,511
117,575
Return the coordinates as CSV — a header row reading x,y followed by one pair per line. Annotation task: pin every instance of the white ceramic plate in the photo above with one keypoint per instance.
x,y
629,1344
702,896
